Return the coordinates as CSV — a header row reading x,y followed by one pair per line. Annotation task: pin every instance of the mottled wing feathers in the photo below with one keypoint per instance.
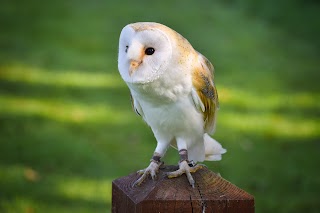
x,y
204,93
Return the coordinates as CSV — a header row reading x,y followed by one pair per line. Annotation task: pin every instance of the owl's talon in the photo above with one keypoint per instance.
x,y
141,172
185,168
151,170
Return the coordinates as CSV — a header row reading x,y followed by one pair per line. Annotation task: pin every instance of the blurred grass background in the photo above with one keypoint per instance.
x,y
67,128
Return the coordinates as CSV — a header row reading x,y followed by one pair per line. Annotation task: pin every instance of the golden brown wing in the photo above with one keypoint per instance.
x,y
204,94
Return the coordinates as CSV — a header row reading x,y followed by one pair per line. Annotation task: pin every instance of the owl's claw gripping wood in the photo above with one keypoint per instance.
x,y
151,170
185,168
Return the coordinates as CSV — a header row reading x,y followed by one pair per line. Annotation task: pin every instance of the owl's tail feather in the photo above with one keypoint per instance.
x,y
213,148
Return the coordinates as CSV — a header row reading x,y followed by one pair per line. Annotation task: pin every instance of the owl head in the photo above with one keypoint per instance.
x,y
145,52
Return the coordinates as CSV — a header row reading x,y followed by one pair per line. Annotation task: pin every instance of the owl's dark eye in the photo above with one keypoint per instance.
x,y
149,51
126,49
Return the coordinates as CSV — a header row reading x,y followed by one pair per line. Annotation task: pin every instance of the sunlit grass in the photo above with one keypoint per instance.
x,y
271,124
84,189
28,205
65,78
68,188
275,114
270,101
63,111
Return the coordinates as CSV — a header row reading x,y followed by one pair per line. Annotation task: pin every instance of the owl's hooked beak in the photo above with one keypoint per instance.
x,y
133,66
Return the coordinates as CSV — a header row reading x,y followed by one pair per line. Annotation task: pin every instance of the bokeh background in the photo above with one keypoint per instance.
x,y
67,128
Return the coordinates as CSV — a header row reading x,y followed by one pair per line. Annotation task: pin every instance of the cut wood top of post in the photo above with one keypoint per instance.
x,y
209,188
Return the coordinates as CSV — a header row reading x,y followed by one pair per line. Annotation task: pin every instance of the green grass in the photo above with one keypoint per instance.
x,y
67,128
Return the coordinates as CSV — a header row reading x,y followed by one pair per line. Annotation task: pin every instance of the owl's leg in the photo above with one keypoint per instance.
x,y
185,167
152,169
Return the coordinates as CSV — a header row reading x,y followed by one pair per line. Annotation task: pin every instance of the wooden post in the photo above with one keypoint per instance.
x,y
211,194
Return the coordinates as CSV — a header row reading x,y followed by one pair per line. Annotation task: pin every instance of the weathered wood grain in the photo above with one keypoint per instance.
x,y
211,194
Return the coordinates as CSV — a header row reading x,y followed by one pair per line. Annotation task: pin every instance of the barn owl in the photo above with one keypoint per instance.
x,y
172,89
